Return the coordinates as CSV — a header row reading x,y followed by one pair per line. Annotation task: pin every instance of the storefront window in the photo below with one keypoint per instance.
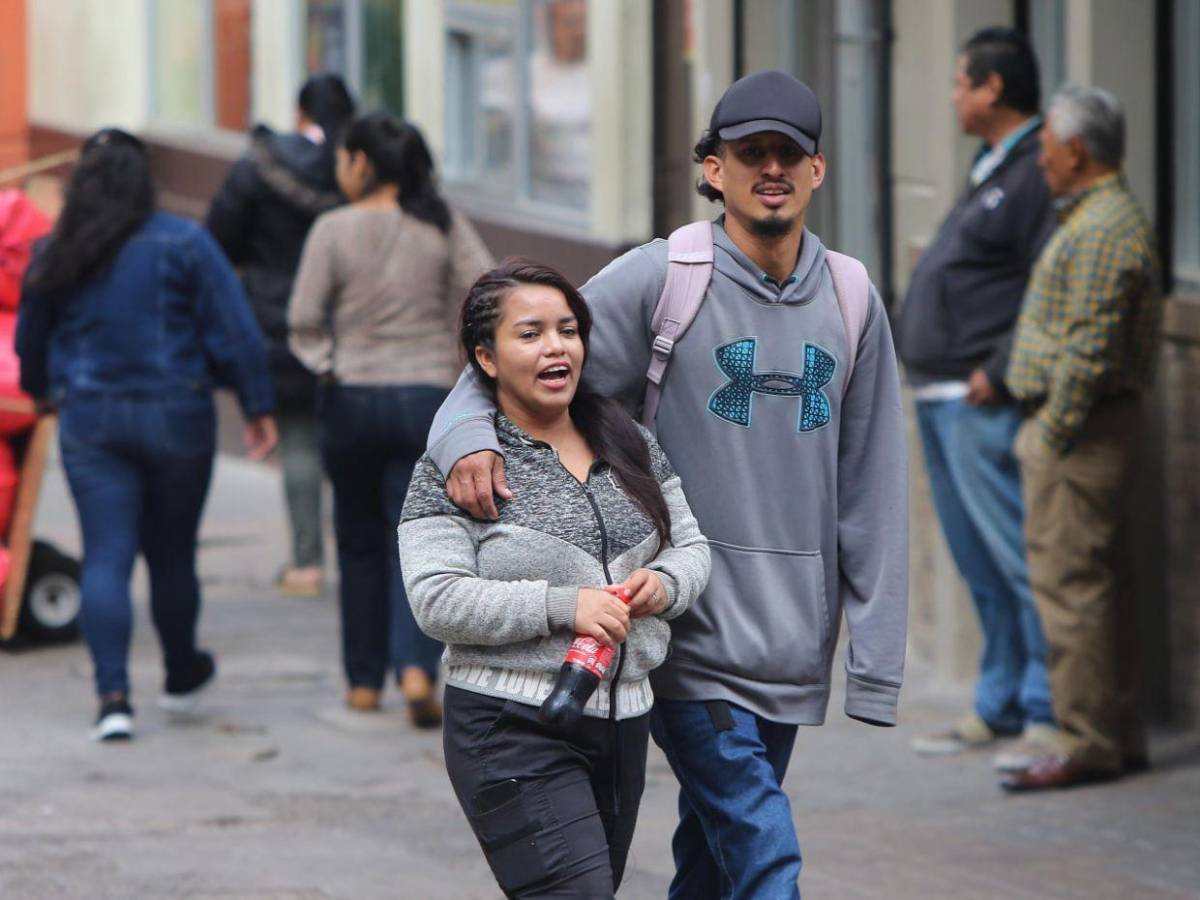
x,y
201,62
362,41
182,71
1046,24
518,92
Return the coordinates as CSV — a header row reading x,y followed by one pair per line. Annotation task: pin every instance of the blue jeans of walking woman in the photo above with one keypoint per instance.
x,y
138,467
371,438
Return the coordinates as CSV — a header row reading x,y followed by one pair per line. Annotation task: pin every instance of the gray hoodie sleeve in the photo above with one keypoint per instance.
x,y
465,424
684,565
873,525
622,297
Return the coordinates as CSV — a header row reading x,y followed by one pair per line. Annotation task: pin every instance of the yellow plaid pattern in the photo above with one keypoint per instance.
x,y
1089,327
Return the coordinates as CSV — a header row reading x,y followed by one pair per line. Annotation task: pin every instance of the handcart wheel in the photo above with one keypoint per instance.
x,y
50,608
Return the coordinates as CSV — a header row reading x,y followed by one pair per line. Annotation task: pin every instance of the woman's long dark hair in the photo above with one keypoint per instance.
x,y
605,425
325,99
109,196
398,155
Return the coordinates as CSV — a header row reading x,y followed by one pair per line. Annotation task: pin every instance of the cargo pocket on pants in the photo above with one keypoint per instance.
x,y
512,835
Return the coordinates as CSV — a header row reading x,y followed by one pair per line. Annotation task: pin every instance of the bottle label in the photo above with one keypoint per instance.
x,y
589,654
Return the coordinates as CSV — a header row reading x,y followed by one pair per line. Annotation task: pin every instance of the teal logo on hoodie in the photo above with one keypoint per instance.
x,y
733,401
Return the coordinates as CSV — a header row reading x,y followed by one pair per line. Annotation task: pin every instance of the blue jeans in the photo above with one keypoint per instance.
x,y
976,488
371,438
138,468
735,839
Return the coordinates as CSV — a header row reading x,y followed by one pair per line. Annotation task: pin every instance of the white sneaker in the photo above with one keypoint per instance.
x,y
1037,740
114,723
968,733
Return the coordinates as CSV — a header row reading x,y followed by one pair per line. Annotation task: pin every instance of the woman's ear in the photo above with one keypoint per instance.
x,y
486,360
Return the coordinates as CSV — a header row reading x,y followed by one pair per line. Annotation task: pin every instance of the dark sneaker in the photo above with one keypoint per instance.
x,y
115,721
184,689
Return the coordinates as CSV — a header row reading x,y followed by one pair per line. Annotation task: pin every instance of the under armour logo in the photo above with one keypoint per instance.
x,y
732,401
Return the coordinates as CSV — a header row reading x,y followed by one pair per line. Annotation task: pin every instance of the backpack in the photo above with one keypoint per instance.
x,y
689,270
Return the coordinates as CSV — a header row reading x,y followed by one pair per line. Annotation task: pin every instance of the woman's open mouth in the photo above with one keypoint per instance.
x,y
555,377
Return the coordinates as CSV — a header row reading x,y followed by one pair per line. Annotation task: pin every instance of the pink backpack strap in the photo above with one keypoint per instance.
x,y
853,288
689,270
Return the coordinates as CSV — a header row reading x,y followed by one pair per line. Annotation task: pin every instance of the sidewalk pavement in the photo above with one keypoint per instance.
x,y
277,792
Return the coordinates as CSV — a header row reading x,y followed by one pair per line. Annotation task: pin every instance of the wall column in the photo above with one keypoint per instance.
x,y
14,103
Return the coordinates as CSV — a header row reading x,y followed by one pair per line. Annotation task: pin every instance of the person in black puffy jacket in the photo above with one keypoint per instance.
x,y
261,216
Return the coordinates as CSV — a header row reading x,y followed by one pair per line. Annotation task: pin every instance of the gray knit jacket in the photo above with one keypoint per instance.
x,y
502,594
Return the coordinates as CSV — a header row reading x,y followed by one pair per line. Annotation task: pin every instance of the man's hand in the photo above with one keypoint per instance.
x,y
602,616
474,479
980,390
260,437
649,597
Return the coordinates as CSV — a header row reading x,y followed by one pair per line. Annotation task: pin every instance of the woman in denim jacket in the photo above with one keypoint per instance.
x,y
129,319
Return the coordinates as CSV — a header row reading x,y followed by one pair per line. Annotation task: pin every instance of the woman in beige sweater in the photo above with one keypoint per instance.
x,y
372,314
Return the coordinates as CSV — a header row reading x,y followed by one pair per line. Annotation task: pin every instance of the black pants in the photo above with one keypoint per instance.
x,y
554,812
371,437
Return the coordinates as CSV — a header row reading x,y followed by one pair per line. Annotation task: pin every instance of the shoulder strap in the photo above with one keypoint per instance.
x,y
689,270
853,288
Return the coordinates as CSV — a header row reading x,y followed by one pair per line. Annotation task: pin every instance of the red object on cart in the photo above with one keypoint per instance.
x,y
21,224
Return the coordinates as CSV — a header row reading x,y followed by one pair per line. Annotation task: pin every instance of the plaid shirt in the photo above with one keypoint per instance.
x,y
1089,327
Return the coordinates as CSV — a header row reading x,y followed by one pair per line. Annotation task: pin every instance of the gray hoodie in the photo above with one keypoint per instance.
x,y
801,491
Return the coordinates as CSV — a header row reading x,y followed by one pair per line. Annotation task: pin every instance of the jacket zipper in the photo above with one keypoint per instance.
x,y
612,687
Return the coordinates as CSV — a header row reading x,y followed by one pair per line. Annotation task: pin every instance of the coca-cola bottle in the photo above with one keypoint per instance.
x,y
584,667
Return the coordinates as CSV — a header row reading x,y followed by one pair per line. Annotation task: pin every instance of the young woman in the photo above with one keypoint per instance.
x,y
260,217
129,319
595,504
372,315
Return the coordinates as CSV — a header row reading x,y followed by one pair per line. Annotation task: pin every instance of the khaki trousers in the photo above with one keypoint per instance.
x,y
1073,507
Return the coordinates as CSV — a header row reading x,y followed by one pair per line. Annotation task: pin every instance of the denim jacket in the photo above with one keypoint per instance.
x,y
168,316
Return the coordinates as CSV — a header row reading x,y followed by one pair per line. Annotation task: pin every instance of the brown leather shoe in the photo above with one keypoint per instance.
x,y
424,711
1056,771
362,699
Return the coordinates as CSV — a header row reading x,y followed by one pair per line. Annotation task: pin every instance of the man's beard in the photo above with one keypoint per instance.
x,y
774,226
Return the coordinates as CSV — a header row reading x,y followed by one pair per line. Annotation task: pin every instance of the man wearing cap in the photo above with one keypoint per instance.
x,y
954,336
800,487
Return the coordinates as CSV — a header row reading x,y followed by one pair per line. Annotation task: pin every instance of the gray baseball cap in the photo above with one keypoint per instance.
x,y
769,101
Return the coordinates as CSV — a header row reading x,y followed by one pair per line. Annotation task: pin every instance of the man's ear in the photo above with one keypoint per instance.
x,y
818,170
486,360
713,168
995,85
1079,154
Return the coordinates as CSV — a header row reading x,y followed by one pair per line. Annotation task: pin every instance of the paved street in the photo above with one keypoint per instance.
x,y
276,792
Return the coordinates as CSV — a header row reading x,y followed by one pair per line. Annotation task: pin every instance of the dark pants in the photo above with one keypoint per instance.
x,y
371,437
553,812
139,469
735,839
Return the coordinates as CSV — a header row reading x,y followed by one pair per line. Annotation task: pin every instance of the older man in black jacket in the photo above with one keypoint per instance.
x,y
954,335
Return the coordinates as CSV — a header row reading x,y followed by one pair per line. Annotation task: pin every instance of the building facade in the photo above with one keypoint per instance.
x,y
565,127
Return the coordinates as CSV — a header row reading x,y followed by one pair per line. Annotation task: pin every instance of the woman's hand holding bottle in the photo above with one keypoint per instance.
x,y
648,593
600,615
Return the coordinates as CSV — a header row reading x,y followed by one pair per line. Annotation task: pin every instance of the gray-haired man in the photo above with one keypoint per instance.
x,y
1085,352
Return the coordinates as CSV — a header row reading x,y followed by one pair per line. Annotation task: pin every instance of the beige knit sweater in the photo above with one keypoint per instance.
x,y
377,296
